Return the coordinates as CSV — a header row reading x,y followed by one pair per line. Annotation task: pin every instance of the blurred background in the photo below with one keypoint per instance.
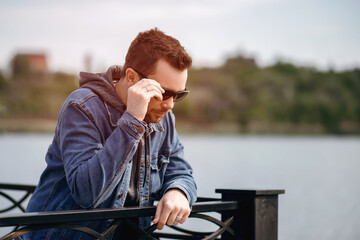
x,y
274,101
260,66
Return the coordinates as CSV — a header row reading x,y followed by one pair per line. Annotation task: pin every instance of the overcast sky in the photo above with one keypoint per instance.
x,y
320,33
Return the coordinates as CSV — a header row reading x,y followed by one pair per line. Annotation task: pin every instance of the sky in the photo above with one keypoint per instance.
x,y
319,33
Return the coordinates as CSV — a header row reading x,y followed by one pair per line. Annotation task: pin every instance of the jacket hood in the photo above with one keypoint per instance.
x,y
102,85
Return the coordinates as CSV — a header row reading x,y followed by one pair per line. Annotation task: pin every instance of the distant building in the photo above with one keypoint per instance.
x,y
24,63
37,62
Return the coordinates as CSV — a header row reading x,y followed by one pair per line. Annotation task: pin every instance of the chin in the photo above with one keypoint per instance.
x,y
153,119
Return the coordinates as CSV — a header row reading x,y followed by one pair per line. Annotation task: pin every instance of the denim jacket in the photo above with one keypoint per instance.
x,y
89,162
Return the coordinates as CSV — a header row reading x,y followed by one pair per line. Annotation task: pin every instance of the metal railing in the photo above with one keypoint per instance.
x,y
27,189
245,214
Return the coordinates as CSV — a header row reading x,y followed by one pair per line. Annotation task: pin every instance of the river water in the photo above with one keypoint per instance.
x,y
320,175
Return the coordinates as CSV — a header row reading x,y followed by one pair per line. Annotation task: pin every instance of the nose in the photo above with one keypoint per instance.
x,y
168,103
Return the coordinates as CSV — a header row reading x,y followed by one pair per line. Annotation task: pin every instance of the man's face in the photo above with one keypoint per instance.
x,y
169,78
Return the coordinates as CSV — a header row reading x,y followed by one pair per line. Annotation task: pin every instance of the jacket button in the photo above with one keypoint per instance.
x,y
120,195
139,129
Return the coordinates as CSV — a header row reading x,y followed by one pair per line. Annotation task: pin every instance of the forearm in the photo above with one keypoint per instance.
x,y
179,172
179,175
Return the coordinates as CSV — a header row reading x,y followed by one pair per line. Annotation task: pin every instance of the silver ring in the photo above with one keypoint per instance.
x,y
178,219
147,89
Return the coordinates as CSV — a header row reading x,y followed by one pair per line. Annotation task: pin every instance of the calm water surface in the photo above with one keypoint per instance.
x,y
320,175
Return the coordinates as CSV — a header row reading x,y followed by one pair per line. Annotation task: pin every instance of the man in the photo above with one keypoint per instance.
x,y
115,143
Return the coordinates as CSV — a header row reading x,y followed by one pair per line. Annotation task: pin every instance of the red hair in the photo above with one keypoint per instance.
x,y
151,46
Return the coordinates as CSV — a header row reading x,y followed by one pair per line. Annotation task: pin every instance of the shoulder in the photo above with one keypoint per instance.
x,y
81,95
83,106
85,100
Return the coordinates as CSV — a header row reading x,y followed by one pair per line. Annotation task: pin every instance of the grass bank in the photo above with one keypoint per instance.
x,y
25,124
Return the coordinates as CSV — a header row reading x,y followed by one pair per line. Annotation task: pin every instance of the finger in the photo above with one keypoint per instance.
x,y
178,219
185,216
172,219
158,212
145,82
163,217
150,88
158,86
154,94
155,86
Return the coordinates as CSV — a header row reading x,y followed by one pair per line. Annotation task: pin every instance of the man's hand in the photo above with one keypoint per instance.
x,y
139,96
173,208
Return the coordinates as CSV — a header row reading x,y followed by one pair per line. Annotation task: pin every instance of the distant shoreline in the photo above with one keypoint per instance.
x,y
48,125
27,124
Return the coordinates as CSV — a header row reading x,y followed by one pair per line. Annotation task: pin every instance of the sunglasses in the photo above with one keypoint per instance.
x,y
177,96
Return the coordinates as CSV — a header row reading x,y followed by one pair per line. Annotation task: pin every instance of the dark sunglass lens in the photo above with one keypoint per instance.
x,y
177,96
180,95
167,94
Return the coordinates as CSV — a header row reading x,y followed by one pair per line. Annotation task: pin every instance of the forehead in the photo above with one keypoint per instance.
x,y
169,77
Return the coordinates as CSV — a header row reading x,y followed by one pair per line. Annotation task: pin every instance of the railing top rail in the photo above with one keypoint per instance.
x,y
258,192
98,214
21,187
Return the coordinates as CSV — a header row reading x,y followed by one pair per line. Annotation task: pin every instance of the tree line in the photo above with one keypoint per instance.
x,y
243,93
239,92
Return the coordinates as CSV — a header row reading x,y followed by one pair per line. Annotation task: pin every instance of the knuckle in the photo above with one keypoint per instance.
x,y
131,90
168,206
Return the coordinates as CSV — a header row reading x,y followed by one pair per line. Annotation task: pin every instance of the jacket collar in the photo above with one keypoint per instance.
x,y
157,127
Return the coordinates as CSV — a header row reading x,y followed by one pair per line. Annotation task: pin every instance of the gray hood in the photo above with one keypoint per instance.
x,y
102,85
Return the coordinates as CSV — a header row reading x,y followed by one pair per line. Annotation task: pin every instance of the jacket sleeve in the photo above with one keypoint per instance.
x,y
92,166
179,173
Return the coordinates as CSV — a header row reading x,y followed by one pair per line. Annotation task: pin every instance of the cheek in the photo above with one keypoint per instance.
x,y
152,104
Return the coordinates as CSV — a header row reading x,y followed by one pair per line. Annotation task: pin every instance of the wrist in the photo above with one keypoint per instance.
x,y
132,123
178,190
139,117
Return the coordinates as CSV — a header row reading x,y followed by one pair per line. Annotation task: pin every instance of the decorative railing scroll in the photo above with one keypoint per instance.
x,y
231,210
27,189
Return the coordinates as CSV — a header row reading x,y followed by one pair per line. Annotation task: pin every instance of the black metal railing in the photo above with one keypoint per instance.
x,y
27,190
245,214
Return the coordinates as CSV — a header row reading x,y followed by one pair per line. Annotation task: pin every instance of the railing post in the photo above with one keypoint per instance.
x,y
257,215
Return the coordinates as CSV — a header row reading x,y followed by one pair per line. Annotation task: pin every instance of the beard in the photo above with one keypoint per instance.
x,y
154,117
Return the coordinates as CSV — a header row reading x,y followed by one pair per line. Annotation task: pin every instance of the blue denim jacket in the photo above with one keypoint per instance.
x,y
89,162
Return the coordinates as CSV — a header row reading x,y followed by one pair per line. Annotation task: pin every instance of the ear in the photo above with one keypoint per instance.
x,y
131,77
